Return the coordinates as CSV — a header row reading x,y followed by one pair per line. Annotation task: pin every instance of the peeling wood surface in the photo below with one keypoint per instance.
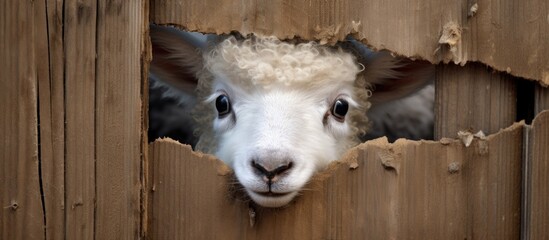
x,y
21,212
507,36
444,191
473,98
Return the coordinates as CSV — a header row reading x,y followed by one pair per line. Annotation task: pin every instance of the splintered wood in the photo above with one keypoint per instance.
x,y
505,35
473,98
378,191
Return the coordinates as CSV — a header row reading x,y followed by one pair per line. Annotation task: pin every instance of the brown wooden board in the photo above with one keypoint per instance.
x,y
72,126
473,98
146,57
405,190
48,28
80,80
121,28
21,212
541,101
536,217
505,35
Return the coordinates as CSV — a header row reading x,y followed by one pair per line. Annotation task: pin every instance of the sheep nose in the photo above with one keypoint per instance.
x,y
268,172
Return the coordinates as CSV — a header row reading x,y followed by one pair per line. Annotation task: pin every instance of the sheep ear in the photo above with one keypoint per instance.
x,y
393,78
176,58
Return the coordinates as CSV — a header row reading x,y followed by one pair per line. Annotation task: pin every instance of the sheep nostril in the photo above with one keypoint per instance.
x,y
282,168
259,168
270,174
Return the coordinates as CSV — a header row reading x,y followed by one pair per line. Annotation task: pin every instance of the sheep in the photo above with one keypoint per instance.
x,y
277,111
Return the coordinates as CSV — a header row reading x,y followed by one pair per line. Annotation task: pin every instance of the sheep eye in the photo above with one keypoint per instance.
x,y
223,105
340,109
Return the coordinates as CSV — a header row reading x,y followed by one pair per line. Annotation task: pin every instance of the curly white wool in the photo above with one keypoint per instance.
x,y
262,61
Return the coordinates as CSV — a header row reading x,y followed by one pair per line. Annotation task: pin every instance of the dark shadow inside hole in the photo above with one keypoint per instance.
x,y
169,115
525,100
411,117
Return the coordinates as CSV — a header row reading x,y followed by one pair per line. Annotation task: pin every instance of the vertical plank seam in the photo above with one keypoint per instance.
x,y
38,132
526,178
38,135
97,15
144,119
64,120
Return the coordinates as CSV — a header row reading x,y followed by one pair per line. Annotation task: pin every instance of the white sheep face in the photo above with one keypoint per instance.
x,y
276,127
278,122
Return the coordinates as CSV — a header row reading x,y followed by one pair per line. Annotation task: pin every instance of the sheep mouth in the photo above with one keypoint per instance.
x,y
272,194
272,199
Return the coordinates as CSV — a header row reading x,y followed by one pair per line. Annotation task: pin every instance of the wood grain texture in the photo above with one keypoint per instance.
x,y
49,52
405,190
72,121
541,101
121,26
21,213
75,112
146,57
537,180
490,34
80,80
472,98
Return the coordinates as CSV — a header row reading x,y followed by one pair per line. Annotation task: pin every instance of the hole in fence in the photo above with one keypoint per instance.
x,y
268,107
407,115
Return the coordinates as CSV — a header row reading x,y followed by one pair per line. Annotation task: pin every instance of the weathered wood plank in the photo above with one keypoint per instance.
x,y
488,31
541,101
21,214
536,217
80,76
146,166
49,52
405,190
473,98
178,170
494,185
121,26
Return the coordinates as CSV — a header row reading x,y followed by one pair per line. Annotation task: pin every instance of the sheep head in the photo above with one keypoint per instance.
x,y
278,112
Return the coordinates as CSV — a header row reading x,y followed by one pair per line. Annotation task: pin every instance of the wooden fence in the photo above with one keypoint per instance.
x,y
75,162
